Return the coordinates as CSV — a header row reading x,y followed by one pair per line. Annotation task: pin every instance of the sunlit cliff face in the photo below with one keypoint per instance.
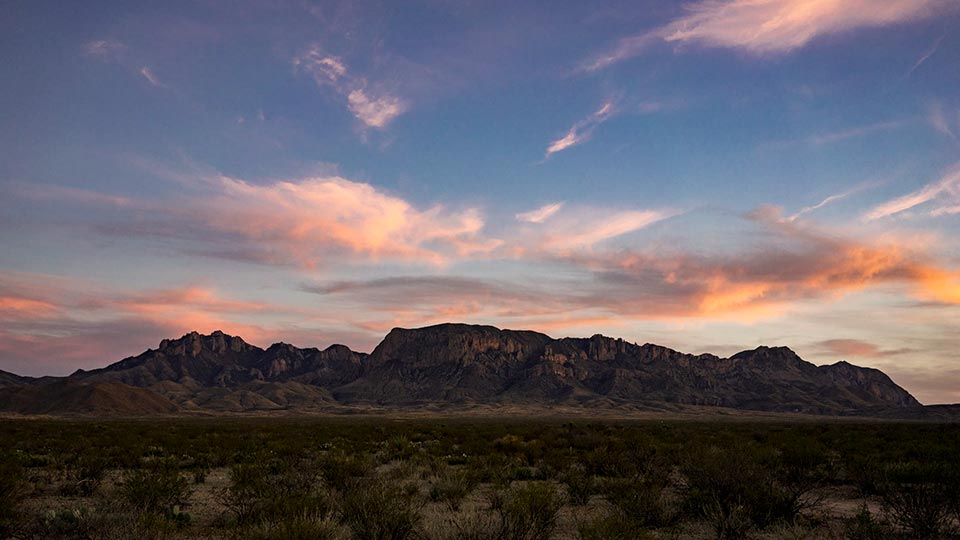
x,y
710,176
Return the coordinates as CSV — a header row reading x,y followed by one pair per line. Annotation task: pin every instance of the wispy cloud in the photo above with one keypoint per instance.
x,y
104,49
818,140
853,133
310,218
302,222
926,55
307,221
764,27
776,26
112,51
376,109
376,112
830,199
582,130
801,263
538,215
941,120
149,76
610,286
586,227
857,348
946,190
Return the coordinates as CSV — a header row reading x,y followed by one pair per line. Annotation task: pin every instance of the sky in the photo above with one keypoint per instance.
x,y
707,175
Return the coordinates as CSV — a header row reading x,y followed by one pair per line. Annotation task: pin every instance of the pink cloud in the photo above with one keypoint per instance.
x,y
764,27
944,190
53,325
373,107
857,348
582,130
310,218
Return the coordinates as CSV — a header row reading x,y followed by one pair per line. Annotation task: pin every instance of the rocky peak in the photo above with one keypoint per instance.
x,y
870,382
782,356
194,343
458,342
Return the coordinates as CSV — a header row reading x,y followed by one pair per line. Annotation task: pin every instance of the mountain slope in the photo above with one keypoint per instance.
x,y
462,365
72,397
8,379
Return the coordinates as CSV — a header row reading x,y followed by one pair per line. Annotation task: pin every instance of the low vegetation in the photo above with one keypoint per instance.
x,y
389,479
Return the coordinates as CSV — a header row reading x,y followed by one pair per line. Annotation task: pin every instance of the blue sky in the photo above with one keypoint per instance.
x,y
708,175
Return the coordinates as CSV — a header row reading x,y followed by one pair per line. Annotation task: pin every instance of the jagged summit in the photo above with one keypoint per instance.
x,y
456,364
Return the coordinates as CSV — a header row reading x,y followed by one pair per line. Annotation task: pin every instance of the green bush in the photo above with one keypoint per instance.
x,y
451,487
613,526
472,526
156,489
63,524
918,499
297,529
340,469
244,496
275,492
864,526
85,475
640,499
735,491
580,486
529,512
374,510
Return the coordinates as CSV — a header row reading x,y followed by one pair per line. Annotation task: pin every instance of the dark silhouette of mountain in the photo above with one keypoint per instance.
x,y
73,397
9,379
459,365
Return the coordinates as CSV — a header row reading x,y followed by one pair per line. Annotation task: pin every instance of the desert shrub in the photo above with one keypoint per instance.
x,y
580,485
11,490
200,475
864,526
473,525
865,473
612,526
297,529
30,461
451,487
273,492
374,510
918,499
734,491
156,489
489,468
610,460
640,499
63,524
340,469
399,448
525,472
799,468
85,475
529,512
244,496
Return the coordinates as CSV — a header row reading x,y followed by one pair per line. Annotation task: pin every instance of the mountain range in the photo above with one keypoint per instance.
x,y
456,367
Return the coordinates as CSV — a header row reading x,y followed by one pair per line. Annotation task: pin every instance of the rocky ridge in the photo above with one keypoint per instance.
x,y
459,366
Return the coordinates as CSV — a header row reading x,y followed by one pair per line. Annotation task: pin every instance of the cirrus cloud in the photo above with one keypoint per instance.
x,y
582,130
764,27
374,109
945,190
538,215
